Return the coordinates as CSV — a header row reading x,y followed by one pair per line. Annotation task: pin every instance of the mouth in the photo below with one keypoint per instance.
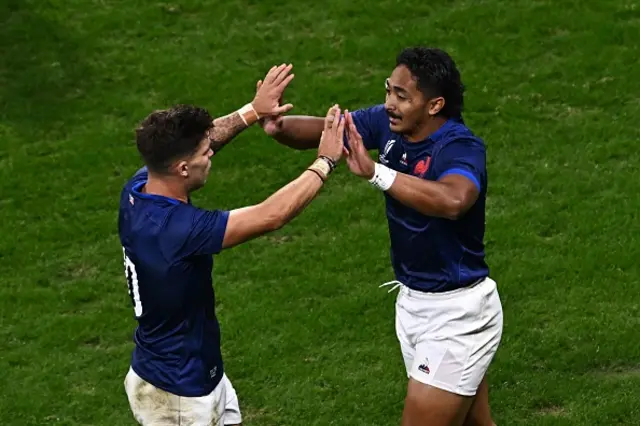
x,y
393,119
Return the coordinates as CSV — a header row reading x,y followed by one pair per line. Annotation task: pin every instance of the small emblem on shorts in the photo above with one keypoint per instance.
x,y
424,367
213,372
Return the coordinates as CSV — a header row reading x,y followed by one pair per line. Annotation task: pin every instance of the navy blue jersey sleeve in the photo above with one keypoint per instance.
x,y
370,123
207,231
198,231
466,157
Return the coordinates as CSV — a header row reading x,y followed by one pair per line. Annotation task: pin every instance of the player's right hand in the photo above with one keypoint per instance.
x,y
332,139
269,92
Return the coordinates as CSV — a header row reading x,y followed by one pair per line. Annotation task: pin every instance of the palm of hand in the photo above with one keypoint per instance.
x,y
358,159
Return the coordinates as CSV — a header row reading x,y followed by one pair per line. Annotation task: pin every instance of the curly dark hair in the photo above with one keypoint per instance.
x,y
167,135
437,75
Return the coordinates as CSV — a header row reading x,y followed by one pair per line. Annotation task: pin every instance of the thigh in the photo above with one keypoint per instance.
x,y
429,406
150,405
232,415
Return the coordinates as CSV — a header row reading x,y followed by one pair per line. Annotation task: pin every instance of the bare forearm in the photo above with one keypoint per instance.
x,y
300,132
225,129
284,205
428,197
253,221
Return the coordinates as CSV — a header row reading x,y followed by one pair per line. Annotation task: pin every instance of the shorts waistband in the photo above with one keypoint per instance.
x,y
413,292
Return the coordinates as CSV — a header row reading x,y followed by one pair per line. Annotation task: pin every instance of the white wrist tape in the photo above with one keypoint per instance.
x,y
248,114
383,177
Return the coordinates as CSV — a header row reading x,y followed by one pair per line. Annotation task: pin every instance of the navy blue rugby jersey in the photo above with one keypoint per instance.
x,y
430,253
168,247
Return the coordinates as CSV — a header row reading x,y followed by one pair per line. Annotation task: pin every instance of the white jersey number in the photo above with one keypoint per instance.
x,y
132,283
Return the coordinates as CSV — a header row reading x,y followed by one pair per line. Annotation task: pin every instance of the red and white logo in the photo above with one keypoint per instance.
x,y
422,167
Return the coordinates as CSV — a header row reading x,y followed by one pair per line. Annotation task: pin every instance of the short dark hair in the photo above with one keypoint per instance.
x,y
167,135
437,75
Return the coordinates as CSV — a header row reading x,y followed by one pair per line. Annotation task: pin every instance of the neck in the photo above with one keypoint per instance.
x,y
426,130
166,187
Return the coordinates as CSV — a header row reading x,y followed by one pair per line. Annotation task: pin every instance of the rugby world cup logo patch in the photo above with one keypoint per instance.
x,y
386,151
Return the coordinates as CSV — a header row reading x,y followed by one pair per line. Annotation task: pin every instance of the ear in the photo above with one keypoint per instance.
x,y
183,169
435,105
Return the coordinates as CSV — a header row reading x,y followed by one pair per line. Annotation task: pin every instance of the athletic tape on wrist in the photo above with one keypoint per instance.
x,y
247,113
321,166
383,177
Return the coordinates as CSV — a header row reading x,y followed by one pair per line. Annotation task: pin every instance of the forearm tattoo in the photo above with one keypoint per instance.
x,y
225,129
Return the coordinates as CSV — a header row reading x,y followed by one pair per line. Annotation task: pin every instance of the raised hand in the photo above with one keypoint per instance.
x,y
358,159
332,139
269,92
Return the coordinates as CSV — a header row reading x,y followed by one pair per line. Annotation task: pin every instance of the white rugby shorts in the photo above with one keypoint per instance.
x,y
449,339
153,406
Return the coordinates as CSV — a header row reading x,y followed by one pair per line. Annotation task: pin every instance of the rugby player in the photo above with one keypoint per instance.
x,y
431,170
176,375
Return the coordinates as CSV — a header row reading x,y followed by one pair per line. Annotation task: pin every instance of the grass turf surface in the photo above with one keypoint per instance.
x,y
308,337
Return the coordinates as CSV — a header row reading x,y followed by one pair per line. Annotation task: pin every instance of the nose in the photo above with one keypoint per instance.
x,y
388,105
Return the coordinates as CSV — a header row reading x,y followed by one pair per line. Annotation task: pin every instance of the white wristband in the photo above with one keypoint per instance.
x,y
383,177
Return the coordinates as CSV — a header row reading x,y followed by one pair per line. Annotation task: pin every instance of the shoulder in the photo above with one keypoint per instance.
x,y
459,139
188,215
187,222
459,149
192,230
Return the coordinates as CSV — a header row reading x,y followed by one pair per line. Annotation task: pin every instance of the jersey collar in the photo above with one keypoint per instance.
x,y
152,197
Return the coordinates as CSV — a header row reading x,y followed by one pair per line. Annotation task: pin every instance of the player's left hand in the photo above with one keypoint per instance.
x,y
269,92
358,159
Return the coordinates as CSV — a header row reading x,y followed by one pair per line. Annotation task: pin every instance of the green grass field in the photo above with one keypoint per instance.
x,y
308,337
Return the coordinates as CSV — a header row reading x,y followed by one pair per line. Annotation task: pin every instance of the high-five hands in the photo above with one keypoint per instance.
x,y
358,159
332,139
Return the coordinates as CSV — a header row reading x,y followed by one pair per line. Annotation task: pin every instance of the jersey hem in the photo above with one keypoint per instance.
x,y
172,391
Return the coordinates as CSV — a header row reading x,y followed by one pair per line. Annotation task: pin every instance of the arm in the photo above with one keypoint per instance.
x,y
456,190
303,132
280,208
265,103
449,197
272,214
226,128
295,131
